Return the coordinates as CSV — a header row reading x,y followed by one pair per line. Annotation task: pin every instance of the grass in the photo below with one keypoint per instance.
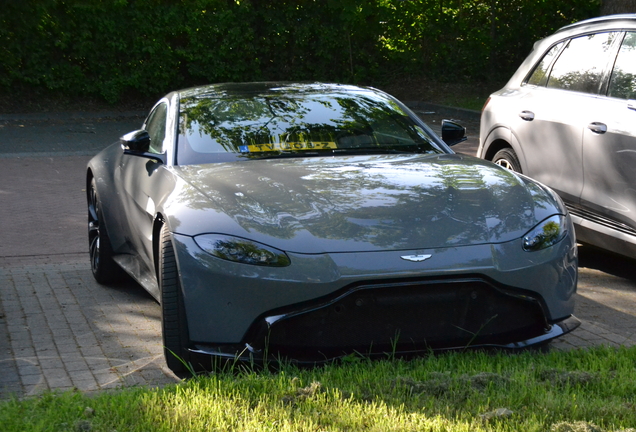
x,y
472,102
579,390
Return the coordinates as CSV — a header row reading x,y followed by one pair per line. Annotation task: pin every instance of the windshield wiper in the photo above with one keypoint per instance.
x,y
336,152
286,155
372,151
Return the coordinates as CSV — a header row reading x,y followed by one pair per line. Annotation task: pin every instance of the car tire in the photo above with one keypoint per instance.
x,y
105,270
173,317
507,158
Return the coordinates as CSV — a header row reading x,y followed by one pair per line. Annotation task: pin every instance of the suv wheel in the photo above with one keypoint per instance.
x,y
507,158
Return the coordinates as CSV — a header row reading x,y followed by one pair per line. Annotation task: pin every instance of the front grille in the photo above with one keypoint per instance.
x,y
401,317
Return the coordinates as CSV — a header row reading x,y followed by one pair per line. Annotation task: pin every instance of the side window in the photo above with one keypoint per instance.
x,y
156,127
623,82
581,64
540,75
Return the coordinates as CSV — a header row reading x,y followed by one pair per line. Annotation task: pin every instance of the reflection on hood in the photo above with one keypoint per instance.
x,y
363,203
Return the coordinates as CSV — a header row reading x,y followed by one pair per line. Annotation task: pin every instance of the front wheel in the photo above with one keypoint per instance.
x,y
507,158
173,317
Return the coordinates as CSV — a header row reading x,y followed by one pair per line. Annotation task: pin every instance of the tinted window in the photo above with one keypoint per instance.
x,y
304,123
540,75
156,127
581,64
623,81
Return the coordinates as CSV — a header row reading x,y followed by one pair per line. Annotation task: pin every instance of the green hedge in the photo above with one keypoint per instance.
x,y
117,48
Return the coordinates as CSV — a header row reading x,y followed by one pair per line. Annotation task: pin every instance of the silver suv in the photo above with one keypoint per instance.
x,y
567,118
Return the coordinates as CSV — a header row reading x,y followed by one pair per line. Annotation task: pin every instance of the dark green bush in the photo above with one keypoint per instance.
x,y
116,48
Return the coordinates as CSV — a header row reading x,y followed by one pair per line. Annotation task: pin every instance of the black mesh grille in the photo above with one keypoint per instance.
x,y
401,318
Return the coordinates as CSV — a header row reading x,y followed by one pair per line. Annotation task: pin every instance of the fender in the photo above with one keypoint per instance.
x,y
502,133
101,168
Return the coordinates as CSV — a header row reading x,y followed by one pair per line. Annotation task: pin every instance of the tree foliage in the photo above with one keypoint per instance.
x,y
609,7
116,48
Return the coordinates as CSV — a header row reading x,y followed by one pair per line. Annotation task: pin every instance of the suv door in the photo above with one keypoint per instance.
x,y
552,115
609,146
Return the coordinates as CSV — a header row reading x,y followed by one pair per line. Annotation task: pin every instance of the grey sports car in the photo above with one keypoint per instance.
x,y
311,221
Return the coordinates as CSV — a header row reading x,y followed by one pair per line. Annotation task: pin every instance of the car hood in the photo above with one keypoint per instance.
x,y
360,203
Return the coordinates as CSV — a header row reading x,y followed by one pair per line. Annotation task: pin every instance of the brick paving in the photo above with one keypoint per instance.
x,y
60,330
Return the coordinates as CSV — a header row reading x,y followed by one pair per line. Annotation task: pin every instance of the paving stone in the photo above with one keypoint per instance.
x,y
92,352
69,349
32,380
76,366
47,363
28,366
86,383
615,338
8,379
57,377
24,352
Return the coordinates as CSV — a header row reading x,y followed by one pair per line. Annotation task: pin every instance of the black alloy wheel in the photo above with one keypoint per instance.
x,y
104,269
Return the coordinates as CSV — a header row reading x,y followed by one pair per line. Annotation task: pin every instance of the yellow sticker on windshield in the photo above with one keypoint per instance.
x,y
290,146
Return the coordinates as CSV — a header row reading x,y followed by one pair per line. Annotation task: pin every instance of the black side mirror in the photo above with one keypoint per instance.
x,y
453,133
135,142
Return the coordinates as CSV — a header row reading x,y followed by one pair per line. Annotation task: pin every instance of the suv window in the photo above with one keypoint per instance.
x,y
540,75
623,82
580,66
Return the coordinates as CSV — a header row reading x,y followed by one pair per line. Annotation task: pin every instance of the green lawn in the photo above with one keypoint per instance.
x,y
580,390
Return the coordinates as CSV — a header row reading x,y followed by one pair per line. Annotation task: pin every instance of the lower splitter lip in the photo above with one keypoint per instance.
x,y
202,355
558,329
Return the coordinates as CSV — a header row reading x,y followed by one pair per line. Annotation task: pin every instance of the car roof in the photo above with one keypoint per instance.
x,y
229,90
607,19
616,22
619,22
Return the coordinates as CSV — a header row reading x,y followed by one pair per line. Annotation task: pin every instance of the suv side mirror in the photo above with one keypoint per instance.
x,y
453,133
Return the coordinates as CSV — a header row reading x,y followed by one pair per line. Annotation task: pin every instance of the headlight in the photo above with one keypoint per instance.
x,y
547,233
241,250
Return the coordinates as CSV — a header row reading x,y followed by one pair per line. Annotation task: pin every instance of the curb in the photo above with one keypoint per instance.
x,y
71,115
431,108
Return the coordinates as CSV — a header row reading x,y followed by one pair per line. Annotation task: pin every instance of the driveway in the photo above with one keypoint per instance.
x,y
61,330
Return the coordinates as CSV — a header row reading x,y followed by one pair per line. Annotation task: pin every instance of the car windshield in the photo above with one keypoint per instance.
x,y
293,122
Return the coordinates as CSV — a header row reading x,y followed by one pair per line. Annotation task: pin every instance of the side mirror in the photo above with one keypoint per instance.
x,y
453,133
135,142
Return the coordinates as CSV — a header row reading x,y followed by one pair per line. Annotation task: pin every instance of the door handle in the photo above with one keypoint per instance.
x,y
596,127
527,115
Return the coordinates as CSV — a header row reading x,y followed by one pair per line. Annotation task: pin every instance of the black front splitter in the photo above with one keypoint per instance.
x,y
206,357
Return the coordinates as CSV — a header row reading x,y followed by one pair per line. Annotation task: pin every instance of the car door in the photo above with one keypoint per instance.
x,y
138,176
609,145
548,126
552,116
